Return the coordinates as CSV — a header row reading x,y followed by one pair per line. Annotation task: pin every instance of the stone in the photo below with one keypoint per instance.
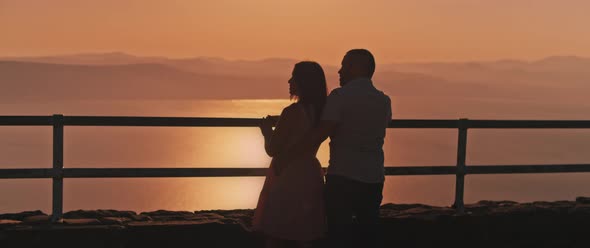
x,y
114,220
81,222
37,219
167,213
208,215
402,207
139,217
21,216
10,222
100,213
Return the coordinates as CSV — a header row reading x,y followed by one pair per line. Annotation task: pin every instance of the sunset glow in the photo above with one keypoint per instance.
x,y
395,30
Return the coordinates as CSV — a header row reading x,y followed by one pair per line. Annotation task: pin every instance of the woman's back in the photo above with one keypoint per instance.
x,y
305,120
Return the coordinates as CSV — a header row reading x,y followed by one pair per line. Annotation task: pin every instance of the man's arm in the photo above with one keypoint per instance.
x,y
306,145
314,138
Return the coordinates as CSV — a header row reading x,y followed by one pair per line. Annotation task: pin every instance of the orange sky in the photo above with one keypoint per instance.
x,y
395,30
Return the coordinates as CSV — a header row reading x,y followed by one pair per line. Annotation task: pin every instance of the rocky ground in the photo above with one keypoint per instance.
x,y
484,224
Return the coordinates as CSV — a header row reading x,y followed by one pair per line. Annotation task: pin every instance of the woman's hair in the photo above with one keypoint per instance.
x,y
310,82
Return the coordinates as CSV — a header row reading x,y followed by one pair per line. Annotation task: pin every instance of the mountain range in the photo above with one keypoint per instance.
x,y
123,76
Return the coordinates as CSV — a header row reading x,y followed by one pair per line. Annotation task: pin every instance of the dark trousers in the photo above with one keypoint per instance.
x,y
352,211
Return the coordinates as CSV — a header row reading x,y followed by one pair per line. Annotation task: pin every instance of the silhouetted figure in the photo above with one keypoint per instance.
x,y
355,118
290,209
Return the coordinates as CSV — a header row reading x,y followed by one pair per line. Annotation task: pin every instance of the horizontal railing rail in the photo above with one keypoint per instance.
x,y
58,173
256,172
254,122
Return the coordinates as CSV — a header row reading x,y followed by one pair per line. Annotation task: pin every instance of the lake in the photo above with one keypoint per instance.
x,y
150,147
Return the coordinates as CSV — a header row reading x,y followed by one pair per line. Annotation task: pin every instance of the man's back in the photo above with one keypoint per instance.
x,y
356,147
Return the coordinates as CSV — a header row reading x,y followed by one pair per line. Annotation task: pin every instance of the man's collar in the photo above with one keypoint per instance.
x,y
359,81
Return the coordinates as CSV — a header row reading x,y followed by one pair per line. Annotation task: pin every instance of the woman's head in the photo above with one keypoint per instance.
x,y
308,85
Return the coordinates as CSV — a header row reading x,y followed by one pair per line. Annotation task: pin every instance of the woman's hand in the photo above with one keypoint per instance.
x,y
266,126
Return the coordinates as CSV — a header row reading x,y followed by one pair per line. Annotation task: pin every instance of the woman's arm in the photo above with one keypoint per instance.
x,y
275,142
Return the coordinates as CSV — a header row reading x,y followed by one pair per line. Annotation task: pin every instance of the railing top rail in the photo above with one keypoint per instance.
x,y
248,172
528,123
141,121
160,121
26,120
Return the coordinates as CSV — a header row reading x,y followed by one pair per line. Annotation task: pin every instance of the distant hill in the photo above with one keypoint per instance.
x,y
124,76
112,58
40,81
208,65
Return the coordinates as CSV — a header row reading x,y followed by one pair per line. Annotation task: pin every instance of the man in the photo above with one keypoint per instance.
x,y
355,118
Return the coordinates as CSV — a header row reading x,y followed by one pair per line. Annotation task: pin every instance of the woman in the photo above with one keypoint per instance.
x,y
290,208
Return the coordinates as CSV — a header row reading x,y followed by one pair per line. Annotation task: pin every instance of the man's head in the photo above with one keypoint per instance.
x,y
357,63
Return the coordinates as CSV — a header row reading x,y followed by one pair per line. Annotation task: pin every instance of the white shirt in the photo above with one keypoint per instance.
x,y
356,146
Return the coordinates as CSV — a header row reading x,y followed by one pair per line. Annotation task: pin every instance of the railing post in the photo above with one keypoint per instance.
x,y
58,144
461,168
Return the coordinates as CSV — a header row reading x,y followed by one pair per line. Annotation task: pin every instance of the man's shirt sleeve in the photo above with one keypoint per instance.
x,y
333,108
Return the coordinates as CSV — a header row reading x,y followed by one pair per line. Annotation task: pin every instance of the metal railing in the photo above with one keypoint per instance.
x,y
58,172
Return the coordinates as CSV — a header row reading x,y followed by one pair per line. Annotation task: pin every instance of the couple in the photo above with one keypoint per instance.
x,y
295,206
